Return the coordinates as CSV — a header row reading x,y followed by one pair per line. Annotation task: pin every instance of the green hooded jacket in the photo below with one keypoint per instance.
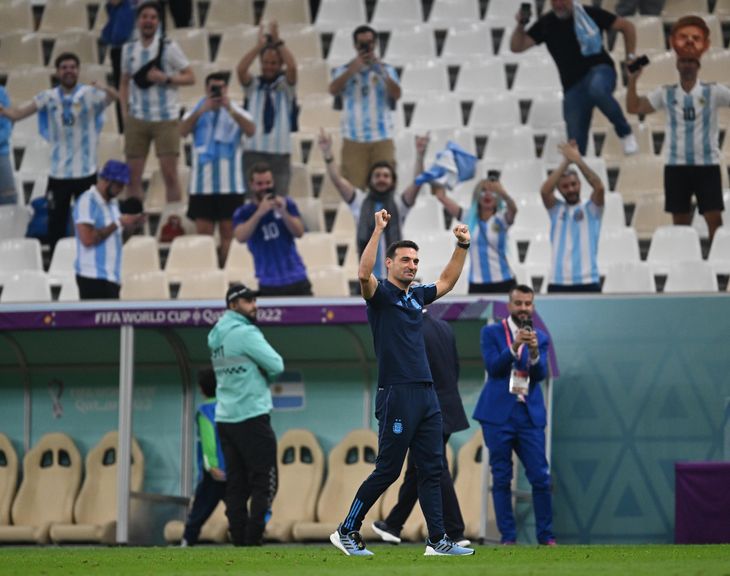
x,y
244,364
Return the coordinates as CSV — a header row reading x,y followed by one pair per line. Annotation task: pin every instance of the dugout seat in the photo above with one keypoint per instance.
x,y
8,478
301,471
348,464
51,478
95,510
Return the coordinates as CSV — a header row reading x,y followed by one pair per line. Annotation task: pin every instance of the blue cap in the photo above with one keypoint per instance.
x,y
115,171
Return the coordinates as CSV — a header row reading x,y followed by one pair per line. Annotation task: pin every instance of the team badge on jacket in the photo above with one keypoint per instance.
x,y
397,427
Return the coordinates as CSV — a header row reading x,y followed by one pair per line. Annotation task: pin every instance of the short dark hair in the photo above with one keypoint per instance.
x,y
691,20
156,6
221,75
207,382
259,168
364,29
63,56
522,288
382,164
390,252
270,46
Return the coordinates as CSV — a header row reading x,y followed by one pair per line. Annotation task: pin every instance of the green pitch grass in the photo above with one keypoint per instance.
x,y
316,560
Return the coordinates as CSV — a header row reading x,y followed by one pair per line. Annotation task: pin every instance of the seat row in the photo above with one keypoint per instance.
x,y
313,499
52,503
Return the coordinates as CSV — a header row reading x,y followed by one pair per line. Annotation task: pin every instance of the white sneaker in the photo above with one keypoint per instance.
x,y
446,547
629,144
463,543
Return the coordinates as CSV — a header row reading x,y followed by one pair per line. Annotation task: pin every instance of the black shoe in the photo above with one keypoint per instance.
x,y
386,533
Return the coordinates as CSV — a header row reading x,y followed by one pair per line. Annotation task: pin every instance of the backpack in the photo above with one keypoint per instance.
x,y
38,225
171,229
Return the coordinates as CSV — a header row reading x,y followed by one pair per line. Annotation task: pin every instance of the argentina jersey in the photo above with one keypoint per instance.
x,y
691,125
488,250
278,139
102,261
71,123
574,232
216,166
366,114
159,101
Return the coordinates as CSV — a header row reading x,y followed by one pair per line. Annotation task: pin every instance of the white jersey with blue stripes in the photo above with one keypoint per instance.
x,y
73,123
159,101
104,260
691,128
222,174
488,249
366,113
574,236
278,139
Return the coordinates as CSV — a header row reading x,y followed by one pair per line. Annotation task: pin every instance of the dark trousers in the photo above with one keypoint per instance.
x,y
408,496
207,495
575,288
518,434
115,56
249,450
97,289
301,288
409,416
59,194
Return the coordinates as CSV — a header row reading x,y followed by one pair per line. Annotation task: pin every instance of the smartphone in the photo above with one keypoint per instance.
x,y
525,12
493,175
216,91
638,64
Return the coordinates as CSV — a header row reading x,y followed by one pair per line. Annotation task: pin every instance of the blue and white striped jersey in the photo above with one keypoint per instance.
x,y
278,140
216,153
104,260
488,250
574,236
71,123
366,113
691,128
159,101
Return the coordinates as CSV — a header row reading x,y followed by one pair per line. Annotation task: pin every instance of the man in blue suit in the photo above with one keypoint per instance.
x,y
511,410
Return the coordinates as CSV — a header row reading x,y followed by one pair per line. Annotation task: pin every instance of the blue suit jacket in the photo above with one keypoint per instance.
x,y
495,401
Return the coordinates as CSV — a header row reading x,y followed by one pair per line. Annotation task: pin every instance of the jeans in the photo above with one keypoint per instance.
x,y
595,89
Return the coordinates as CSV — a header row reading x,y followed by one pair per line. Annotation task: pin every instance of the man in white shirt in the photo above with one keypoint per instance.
x,y
369,89
71,117
691,145
99,234
152,69
575,225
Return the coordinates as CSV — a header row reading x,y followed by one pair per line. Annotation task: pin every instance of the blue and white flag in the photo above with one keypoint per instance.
x,y
586,31
452,165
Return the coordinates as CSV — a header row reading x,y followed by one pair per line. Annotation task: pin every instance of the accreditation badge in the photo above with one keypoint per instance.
x,y
519,382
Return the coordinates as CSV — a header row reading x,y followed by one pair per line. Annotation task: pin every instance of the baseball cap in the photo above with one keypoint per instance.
x,y
240,291
115,171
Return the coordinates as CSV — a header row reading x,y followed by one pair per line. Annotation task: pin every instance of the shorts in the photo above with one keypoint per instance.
x,y
139,134
213,207
681,182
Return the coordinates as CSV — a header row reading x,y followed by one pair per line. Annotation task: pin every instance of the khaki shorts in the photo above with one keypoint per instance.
x,y
139,134
358,157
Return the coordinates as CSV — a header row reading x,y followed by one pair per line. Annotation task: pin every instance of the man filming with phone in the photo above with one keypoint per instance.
x,y
369,89
269,223
217,184
511,410
692,149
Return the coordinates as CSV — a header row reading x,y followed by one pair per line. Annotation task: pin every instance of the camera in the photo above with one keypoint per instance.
x,y
364,47
527,325
493,175
525,12
638,64
216,91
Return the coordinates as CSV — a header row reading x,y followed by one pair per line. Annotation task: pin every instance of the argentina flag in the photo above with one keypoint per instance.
x,y
452,165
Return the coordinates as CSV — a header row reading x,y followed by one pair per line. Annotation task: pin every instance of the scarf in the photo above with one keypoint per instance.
x,y
366,224
586,31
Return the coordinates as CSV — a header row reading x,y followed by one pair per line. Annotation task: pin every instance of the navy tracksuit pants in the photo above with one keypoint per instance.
x,y
409,416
